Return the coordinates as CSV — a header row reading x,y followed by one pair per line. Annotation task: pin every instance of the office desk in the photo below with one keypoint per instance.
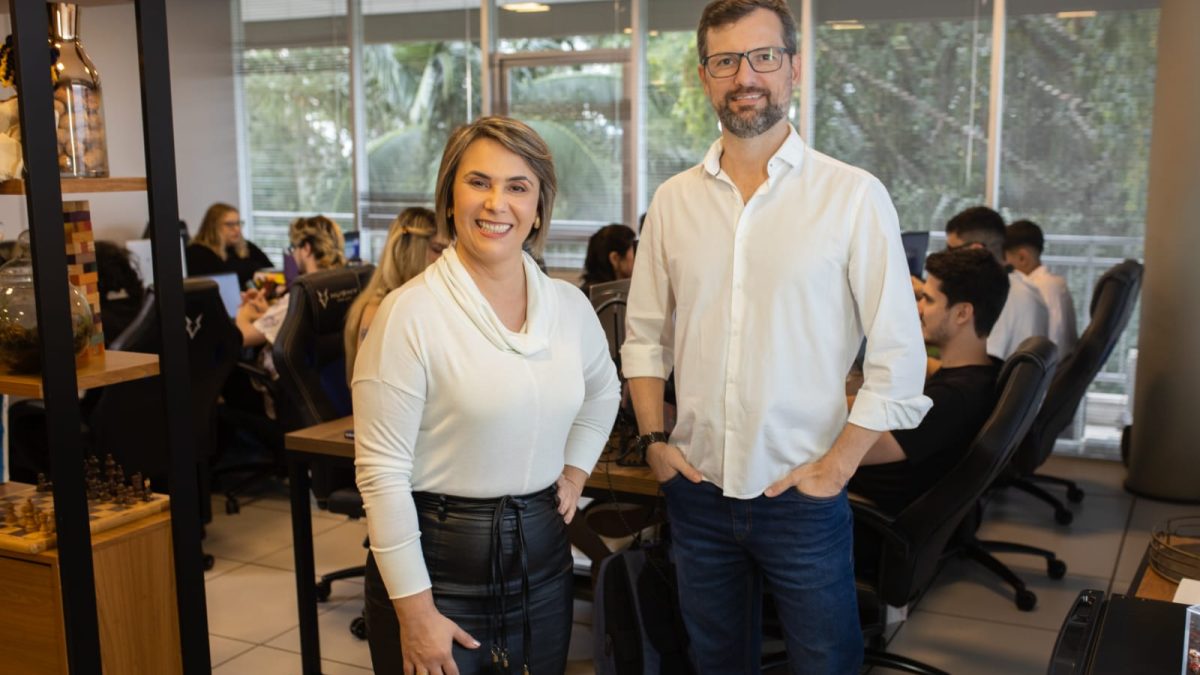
x,y
327,443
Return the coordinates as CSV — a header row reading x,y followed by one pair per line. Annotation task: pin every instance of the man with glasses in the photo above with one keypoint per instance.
x,y
759,273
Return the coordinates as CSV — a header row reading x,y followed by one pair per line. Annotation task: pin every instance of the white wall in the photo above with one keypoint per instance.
x,y
202,98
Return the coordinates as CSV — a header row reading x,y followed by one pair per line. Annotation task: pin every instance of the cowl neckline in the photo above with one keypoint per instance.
x,y
539,313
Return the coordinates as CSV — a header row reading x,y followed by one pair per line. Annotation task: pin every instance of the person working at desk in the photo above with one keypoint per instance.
x,y
483,395
610,253
757,275
413,243
961,298
219,247
1023,246
1025,313
316,243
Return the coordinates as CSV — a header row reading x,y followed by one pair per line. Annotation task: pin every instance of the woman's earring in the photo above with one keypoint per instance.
x,y
537,222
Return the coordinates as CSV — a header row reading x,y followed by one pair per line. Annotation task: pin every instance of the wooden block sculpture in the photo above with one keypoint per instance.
x,y
82,267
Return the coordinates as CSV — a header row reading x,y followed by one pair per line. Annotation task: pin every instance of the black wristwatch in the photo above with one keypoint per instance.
x,y
645,440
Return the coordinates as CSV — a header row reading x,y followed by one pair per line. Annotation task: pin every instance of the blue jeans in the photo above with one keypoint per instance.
x,y
800,547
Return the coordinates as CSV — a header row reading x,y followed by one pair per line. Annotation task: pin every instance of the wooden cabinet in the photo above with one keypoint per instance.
x,y
135,597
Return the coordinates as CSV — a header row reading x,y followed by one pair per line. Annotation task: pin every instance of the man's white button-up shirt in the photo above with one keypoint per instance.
x,y
760,308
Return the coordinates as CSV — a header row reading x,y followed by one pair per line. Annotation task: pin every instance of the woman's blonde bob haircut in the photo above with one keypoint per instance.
x,y
209,234
517,138
404,256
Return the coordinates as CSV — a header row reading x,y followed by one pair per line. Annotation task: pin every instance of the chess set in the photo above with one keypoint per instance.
x,y
27,511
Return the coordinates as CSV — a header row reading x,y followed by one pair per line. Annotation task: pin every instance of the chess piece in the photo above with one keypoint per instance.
x,y
147,493
11,519
43,485
29,516
51,523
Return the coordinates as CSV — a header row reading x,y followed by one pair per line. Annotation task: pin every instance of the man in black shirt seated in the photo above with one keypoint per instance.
x,y
961,299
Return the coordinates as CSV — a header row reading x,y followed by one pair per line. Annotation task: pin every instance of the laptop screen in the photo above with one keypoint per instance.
x,y
915,246
231,293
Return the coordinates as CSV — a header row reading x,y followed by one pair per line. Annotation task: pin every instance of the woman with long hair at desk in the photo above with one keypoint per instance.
x,y
483,395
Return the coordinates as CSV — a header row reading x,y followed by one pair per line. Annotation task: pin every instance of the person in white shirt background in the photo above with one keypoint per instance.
x,y
1023,246
1025,313
483,395
758,273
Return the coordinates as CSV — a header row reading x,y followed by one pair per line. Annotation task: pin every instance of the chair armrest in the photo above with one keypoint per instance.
x,y
866,513
258,374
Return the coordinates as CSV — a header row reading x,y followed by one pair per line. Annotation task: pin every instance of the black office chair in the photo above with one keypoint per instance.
x,y
1112,304
310,357
915,543
129,420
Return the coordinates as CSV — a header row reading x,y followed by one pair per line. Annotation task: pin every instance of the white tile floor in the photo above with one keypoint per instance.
x,y
967,623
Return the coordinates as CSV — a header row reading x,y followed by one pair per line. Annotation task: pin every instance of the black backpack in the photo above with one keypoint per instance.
x,y
637,626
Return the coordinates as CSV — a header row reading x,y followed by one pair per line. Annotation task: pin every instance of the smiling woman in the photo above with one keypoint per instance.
x,y
483,395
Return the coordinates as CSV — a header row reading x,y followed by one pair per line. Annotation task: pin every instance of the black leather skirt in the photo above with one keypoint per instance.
x,y
501,570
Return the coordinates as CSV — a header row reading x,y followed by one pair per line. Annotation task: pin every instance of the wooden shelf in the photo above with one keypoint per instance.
x,y
116,367
81,185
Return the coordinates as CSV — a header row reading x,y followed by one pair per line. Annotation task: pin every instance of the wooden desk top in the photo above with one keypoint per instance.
x,y
329,438
1153,586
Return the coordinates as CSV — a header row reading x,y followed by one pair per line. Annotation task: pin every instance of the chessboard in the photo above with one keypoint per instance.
x,y
102,515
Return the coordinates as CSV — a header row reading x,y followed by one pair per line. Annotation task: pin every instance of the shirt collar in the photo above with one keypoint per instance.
x,y
790,153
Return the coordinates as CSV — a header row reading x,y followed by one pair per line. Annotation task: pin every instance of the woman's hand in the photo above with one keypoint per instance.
x,y
570,488
427,638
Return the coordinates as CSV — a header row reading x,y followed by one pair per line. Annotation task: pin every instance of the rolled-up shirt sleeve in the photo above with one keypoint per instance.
x,y
387,417
648,350
894,369
602,393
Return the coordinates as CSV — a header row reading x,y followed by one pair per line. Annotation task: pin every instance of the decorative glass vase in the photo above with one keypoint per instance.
x,y
82,148
20,344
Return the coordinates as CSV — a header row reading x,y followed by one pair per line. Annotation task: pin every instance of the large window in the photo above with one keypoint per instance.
x,y
906,99
296,108
1078,90
899,89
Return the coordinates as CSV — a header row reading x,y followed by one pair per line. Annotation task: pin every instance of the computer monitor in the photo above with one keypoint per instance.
x,y
231,293
915,246
140,250
353,249
290,270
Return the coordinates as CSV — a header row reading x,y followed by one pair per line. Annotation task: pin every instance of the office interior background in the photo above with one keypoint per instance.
x,y
1040,108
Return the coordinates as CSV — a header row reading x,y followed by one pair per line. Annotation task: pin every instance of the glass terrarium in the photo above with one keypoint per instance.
x,y
20,344
82,147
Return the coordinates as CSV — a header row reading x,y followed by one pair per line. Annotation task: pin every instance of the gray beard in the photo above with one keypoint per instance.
x,y
749,127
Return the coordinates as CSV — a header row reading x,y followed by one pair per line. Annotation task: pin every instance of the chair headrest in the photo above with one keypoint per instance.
x,y
328,295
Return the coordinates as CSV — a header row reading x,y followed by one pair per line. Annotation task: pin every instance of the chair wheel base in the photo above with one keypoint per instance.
x,y
1026,600
208,561
1074,495
324,589
1063,517
358,628
1056,569
232,507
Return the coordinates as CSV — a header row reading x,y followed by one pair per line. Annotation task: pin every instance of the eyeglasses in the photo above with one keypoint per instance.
x,y
234,223
761,60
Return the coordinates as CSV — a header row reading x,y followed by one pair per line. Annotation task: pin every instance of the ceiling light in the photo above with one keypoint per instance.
x,y
1083,14
851,24
526,7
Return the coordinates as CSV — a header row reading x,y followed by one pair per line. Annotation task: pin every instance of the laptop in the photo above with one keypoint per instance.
x,y
231,293
915,246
